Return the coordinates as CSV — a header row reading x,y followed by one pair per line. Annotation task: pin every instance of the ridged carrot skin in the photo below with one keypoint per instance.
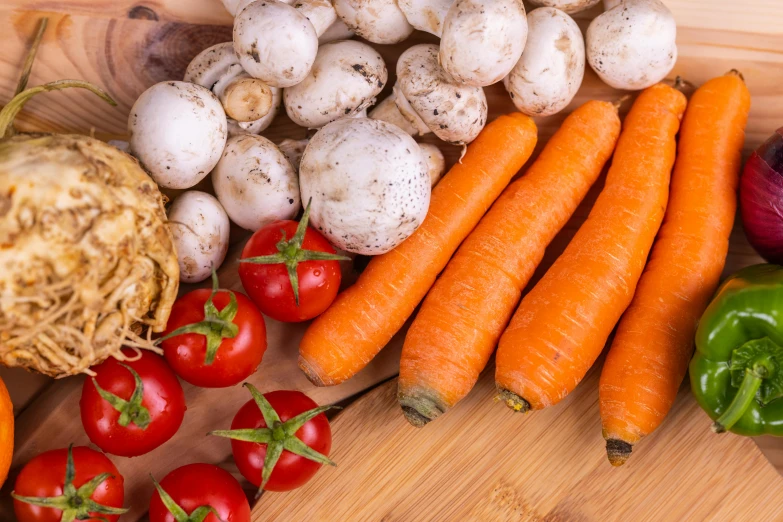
x,y
363,319
649,356
459,323
561,326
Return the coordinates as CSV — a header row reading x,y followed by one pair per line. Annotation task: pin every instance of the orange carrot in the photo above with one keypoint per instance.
x,y
364,317
654,341
561,326
459,324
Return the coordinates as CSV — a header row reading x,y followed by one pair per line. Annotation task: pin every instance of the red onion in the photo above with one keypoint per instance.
x,y
761,198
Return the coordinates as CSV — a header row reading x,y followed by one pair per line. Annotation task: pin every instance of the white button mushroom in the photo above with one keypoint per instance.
x,y
436,163
567,6
431,102
482,40
337,31
386,110
257,126
293,150
255,183
177,131
368,182
633,45
426,15
275,42
344,80
550,71
217,68
200,228
379,21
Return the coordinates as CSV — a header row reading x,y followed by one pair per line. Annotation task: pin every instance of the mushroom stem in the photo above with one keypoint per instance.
x,y
387,111
320,13
436,163
244,98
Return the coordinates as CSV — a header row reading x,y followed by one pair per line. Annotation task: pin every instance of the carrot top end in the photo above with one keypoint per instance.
x,y
618,451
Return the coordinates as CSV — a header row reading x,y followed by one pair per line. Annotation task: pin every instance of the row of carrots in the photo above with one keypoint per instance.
x,y
613,266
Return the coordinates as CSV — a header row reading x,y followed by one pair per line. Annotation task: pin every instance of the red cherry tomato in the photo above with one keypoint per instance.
x,y
196,485
291,470
44,478
149,422
235,358
269,284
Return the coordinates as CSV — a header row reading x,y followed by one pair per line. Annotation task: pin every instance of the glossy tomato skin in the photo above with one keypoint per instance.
x,y
236,359
163,397
291,471
195,485
269,285
44,476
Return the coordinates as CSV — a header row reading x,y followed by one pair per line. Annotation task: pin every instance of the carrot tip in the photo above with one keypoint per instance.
x,y
313,375
513,401
735,72
618,451
419,410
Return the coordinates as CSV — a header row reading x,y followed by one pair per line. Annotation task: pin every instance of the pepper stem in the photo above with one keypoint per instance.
x,y
751,383
290,253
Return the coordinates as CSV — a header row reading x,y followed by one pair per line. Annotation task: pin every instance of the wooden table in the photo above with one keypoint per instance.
x,y
125,46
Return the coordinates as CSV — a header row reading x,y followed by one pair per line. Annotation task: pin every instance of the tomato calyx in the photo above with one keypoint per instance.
x,y
216,326
290,253
75,504
179,514
132,409
278,435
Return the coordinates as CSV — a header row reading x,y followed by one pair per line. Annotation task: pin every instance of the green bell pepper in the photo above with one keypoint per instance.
x,y
737,370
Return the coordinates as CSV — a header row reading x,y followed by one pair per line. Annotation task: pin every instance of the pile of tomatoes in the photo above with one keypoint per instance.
x,y
214,338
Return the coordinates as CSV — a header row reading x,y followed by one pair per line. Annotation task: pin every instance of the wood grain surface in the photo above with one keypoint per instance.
x,y
482,462
125,46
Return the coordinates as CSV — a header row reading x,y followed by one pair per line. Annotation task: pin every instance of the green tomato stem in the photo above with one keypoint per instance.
x,y
290,253
216,326
277,436
131,411
75,504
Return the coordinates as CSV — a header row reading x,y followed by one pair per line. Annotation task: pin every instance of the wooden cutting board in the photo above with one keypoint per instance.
x,y
127,45
482,462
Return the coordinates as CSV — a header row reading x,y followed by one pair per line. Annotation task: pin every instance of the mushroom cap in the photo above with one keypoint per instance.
x,y
482,40
426,15
633,45
550,71
369,184
455,113
200,228
567,6
210,64
255,183
345,79
177,131
275,42
378,21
